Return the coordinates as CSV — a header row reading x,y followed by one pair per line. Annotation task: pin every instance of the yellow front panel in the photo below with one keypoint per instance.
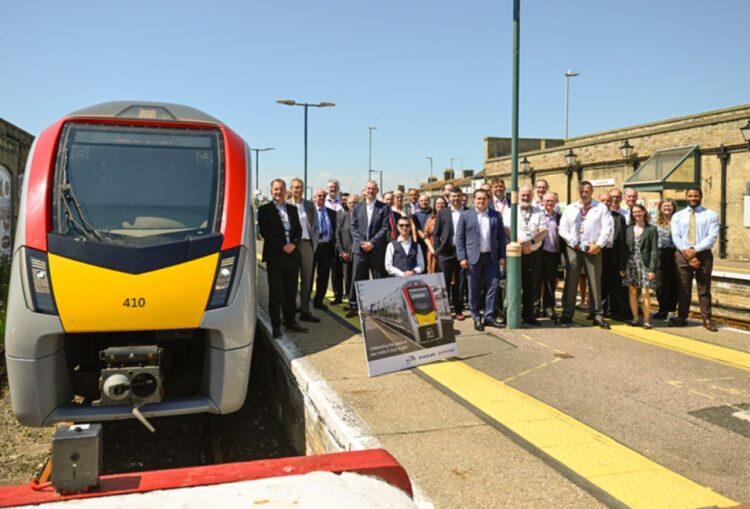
x,y
426,319
91,298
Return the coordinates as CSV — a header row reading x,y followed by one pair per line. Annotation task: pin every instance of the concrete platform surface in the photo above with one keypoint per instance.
x,y
546,416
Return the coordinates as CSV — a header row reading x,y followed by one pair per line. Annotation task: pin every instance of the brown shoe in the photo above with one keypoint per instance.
x,y
296,327
709,325
352,313
460,317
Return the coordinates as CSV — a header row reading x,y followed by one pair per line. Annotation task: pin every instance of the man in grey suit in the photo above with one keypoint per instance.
x,y
369,239
344,241
309,221
480,249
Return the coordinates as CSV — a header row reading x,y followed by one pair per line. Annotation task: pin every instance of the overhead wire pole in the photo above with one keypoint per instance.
x,y
513,260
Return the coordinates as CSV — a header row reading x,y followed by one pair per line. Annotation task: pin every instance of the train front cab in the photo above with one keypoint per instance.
x,y
135,229
423,309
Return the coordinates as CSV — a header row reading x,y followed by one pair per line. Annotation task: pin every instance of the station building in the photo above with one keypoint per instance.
x,y
15,144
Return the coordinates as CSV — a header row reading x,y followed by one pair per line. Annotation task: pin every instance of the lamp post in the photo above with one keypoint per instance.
x,y
513,250
430,159
626,149
290,102
455,159
369,165
570,160
746,133
257,163
568,74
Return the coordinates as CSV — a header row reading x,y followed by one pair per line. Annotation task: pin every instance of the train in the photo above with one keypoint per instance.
x,y
411,310
132,287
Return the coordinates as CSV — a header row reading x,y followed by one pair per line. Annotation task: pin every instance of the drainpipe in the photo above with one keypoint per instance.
x,y
723,155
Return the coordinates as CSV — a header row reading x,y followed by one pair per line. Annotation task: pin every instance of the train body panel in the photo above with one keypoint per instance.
x,y
155,248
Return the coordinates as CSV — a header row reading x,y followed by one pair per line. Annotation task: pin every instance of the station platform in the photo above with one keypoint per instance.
x,y
542,416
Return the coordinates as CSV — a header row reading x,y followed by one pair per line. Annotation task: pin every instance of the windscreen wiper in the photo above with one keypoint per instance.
x,y
85,227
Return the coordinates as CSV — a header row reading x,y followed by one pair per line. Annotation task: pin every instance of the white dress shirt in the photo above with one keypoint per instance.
x,y
626,214
706,229
405,245
483,218
530,221
455,214
303,220
583,226
370,205
334,203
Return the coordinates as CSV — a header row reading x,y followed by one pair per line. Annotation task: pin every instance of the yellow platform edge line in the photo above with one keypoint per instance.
x,y
692,347
618,470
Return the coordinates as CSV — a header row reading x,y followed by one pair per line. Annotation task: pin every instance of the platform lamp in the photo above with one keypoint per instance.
x,y
526,168
626,149
571,159
746,133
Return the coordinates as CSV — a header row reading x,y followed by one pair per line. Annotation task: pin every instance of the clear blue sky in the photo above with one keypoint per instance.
x,y
433,76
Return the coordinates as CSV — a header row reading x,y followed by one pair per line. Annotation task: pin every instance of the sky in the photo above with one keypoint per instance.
x,y
433,76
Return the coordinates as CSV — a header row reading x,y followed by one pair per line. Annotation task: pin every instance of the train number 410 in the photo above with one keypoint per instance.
x,y
134,302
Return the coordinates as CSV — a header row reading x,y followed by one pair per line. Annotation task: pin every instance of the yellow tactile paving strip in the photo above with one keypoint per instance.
x,y
700,349
623,473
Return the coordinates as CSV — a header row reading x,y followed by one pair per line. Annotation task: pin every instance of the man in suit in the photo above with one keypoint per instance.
x,y
550,256
344,241
325,250
694,232
335,202
309,222
446,226
370,234
611,257
281,231
480,248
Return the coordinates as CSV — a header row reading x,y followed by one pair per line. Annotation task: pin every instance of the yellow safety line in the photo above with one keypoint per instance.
x,y
700,349
726,268
616,469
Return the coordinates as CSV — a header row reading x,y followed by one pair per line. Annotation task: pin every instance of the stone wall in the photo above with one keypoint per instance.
x,y
600,158
15,144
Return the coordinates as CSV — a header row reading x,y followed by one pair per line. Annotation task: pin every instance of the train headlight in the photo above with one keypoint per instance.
x,y
42,300
228,262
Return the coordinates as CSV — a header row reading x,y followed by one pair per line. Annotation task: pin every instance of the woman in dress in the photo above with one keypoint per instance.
x,y
429,231
642,255
666,278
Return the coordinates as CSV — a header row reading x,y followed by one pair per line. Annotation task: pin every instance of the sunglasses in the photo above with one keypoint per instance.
x,y
404,226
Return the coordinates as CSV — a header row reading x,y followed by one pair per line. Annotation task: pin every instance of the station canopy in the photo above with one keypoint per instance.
x,y
668,169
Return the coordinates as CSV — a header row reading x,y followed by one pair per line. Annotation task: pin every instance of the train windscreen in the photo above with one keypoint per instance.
x,y
135,185
421,300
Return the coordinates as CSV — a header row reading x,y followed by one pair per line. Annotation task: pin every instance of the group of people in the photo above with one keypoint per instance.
x,y
611,255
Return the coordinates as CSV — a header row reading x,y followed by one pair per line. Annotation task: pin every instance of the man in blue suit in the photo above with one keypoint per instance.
x,y
480,249
369,230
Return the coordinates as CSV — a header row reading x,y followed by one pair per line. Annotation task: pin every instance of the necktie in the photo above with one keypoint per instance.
x,y
691,228
394,233
323,224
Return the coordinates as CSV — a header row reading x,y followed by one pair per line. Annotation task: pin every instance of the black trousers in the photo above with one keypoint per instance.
x,y
283,273
702,276
322,265
337,278
365,264
548,272
611,284
529,282
668,287
346,269
452,271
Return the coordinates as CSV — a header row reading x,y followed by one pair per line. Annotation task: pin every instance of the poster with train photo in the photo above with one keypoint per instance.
x,y
406,322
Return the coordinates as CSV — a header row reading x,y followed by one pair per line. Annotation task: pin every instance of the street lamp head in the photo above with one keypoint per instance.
x,y
288,102
572,74
746,132
525,165
570,158
626,149
325,105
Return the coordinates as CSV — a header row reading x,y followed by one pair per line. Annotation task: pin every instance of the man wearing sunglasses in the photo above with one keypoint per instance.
x,y
403,258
